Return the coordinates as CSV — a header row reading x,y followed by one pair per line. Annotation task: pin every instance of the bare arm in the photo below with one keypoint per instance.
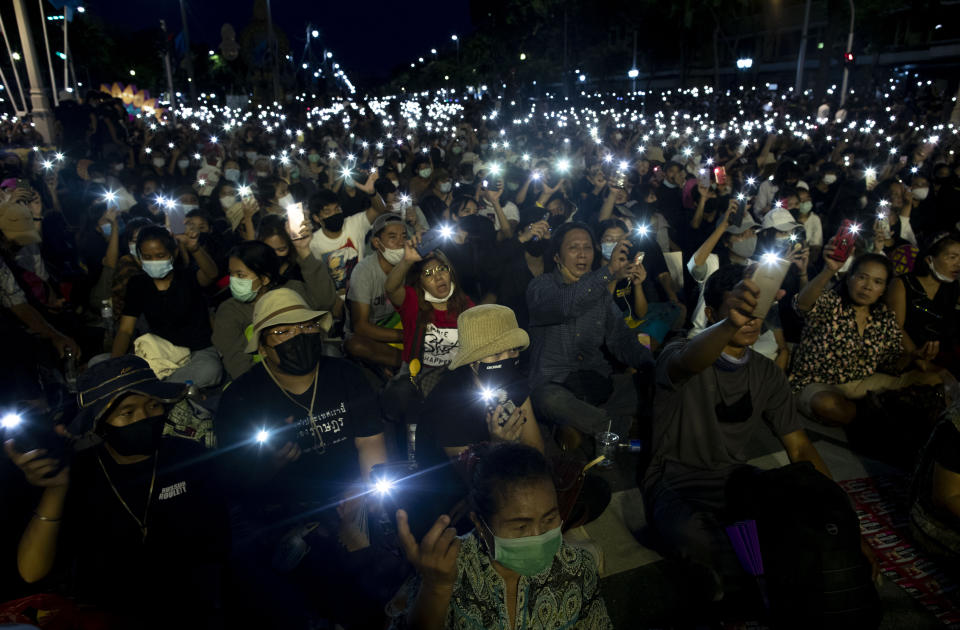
x,y
371,450
360,315
946,490
800,449
121,342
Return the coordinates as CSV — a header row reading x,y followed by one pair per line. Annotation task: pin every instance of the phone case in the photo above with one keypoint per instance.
x,y
431,240
769,276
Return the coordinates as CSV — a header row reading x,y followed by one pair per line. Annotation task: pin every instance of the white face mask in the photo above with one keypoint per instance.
x,y
227,201
936,274
445,187
921,193
183,164
829,178
286,200
393,256
159,162
805,207
232,174
429,297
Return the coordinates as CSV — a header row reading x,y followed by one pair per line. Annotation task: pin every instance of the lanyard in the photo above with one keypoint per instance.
x,y
314,429
142,524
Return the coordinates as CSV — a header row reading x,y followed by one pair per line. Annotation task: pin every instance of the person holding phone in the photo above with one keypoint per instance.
x,y
851,342
512,570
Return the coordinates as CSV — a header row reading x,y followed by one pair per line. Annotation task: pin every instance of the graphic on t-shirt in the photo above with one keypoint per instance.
x,y
324,429
440,345
341,262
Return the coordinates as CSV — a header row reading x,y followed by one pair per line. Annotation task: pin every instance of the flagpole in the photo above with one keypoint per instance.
x,y
46,42
16,74
66,53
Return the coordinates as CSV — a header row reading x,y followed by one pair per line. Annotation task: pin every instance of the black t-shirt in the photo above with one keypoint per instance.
x,y
454,414
187,541
178,314
345,408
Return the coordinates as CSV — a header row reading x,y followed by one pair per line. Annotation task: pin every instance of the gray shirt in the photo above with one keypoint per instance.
x,y
366,287
690,442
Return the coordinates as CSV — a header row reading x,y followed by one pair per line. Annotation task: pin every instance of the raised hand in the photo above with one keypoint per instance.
x,y
511,428
435,556
741,303
36,467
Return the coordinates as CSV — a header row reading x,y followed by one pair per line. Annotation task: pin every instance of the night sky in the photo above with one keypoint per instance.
x,y
368,38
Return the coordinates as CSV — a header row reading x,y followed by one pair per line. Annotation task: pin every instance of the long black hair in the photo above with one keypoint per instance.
x,y
260,259
159,233
500,466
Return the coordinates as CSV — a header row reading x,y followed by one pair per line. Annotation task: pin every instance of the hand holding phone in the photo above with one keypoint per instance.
x,y
768,275
844,241
295,219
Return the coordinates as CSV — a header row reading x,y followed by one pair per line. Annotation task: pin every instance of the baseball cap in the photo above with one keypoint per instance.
x,y
382,221
100,385
746,224
283,306
779,218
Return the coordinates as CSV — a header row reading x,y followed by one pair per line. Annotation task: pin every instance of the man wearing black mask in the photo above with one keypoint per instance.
x,y
135,514
301,433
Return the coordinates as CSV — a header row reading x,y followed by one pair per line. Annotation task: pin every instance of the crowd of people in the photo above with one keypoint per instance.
x,y
331,362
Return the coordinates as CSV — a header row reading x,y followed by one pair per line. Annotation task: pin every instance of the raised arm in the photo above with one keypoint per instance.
x,y
394,284
810,293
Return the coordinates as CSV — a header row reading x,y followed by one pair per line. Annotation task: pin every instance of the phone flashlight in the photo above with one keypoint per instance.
x,y
262,436
11,421
446,231
536,177
563,165
383,486
109,196
244,191
59,157
855,228
770,258
47,165
643,230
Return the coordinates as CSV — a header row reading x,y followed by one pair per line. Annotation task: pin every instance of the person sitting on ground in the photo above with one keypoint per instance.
x,y
851,342
924,302
377,334
171,300
139,517
572,317
301,433
714,394
513,570
466,407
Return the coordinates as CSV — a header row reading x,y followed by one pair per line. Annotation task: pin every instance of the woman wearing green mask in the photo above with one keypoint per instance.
x,y
254,270
516,548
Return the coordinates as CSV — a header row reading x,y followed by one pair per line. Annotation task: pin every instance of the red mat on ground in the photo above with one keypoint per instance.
x,y
882,505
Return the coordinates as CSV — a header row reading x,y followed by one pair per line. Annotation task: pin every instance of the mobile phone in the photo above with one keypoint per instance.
x,y
639,258
177,219
295,219
422,494
883,225
769,275
634,252
23,183
32,431
844,240
720,175
703,178
434,238
736,219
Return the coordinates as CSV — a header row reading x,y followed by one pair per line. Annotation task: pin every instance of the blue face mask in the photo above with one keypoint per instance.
x,y
606,249
157,269
107,229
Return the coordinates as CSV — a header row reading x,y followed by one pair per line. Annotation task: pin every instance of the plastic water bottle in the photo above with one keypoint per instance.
x,y
70,369
193,392
106,314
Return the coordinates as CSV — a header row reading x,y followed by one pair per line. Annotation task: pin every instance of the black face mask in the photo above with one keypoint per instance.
x,y
139,438
478,227
334,222
300,355
535,247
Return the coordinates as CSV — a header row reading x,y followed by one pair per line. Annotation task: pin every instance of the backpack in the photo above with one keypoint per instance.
x,y
809,536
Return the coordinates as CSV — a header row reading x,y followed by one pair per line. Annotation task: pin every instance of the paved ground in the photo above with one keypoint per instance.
x,y
643,590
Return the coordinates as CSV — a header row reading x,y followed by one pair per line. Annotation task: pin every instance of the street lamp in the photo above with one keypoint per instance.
x,y
848,55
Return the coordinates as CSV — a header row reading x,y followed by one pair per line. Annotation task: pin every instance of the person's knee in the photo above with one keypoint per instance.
x,y
207,368
833,407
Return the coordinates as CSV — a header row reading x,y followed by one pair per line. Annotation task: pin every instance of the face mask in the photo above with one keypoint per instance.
x,y
314,158
349,183
513,186
187,207
300,355
805,207
157,269
829,178
226,202
429,297
232,175
445,187
457,149
242,289
107,229
425,172
139,438
936,274
183,164
159,162
500,373
669,184
380,162
392,256
334,223
263,173
117,168
484,146
744,248
921,193
529,555
251,156
286,200
98,180
606,249
863,201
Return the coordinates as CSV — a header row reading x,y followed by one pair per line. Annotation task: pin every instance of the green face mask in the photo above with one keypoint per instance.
x,y
242,289
529,555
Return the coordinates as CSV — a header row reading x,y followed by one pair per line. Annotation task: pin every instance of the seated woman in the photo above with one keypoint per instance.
x,y
935,514
514,570
254,270
851,343
425,291
925,300
171,299
466,407
299,264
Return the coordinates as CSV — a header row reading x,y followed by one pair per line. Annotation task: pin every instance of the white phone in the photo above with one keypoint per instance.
x,y
295,219
769,275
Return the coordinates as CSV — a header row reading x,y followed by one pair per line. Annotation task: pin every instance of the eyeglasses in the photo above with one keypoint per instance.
x,y
438,269
276,336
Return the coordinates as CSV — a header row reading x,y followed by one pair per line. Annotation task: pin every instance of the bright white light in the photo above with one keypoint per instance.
x,y
47,165
110,196
382,486
769,258
11,421
744,63
870,172
315,33
855,228
262,436
643,230
633,73
563,165
59,157
454,37
487,394
446,231
244,191
583,78
495,169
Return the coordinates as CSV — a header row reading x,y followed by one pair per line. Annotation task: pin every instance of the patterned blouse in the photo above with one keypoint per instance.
x,y
831,349
565,596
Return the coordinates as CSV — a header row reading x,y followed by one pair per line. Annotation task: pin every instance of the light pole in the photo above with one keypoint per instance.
x,y
38,98
846,66
456,40
802,55
189,57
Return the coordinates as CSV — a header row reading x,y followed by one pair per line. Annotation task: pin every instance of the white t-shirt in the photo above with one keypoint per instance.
x,y
510,211
814,229
341,253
